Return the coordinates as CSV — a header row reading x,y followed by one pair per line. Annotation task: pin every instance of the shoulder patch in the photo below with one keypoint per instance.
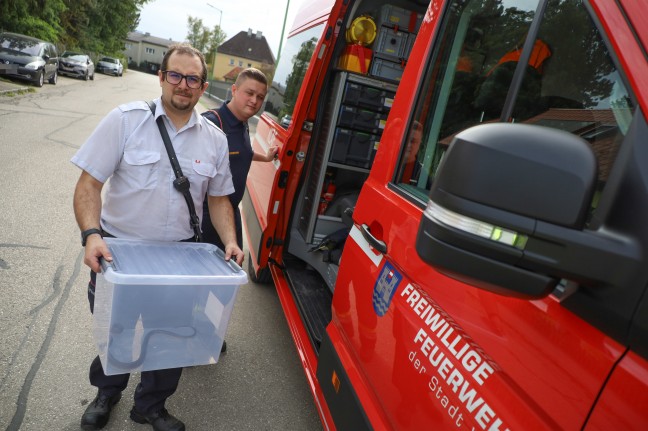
x,y
134,106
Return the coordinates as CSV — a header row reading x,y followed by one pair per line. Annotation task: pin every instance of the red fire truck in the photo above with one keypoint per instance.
x,y
456,224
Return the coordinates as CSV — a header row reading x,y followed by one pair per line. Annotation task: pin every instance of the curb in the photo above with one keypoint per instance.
x,y
7,86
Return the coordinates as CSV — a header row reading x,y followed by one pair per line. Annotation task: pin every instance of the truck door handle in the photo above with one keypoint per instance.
x,y
375,243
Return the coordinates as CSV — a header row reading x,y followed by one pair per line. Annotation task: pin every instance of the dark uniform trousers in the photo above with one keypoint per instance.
x,y
154,387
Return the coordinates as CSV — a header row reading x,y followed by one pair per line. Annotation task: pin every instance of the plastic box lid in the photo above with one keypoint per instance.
x,y
169,263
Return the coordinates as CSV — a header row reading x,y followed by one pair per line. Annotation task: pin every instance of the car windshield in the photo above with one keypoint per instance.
x,y
23,46
74,56
109,60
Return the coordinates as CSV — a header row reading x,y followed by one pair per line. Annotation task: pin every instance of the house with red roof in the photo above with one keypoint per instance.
x,y
245,49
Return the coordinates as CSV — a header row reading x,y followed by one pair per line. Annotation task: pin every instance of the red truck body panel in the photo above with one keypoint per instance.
x,y
434,351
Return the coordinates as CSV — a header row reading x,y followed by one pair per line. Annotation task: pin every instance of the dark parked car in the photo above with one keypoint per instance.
x,y
77,65
111,66
28,58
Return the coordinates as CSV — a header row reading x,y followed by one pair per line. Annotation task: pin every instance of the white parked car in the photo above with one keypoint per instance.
x,y
110,65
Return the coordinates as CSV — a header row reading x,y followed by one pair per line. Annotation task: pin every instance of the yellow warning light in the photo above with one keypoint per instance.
x,y
362,31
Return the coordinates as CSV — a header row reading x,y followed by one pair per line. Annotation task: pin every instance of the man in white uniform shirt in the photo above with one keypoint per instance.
x,y
141,203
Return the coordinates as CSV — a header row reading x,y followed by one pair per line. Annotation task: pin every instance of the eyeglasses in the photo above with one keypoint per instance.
x,y
175,78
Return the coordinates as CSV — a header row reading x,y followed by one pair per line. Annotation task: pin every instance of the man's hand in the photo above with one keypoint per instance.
x,y
95,249
87,209
233,251
273,151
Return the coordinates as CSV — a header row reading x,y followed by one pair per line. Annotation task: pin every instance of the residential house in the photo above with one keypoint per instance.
x,y
246,49
145,52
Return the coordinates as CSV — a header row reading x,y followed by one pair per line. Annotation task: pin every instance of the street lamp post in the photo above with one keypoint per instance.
x,y
283,29
220,19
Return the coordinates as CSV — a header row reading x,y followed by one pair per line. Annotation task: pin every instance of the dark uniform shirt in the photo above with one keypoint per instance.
x,y
240,156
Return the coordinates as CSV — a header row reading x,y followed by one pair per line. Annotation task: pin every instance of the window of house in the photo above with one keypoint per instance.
x,y
150,51
231,62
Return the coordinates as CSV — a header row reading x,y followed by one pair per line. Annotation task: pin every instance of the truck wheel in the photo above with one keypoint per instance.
x,y
263,277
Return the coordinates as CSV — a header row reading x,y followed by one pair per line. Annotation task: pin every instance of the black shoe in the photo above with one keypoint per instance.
x,y
161,420
97,413
224,348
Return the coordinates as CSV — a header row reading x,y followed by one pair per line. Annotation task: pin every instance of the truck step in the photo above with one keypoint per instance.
x,y
312,296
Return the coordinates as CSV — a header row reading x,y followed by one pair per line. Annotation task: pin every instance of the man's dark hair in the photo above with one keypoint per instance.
x,y
185,48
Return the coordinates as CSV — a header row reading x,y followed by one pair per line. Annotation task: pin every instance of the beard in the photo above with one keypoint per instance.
x,y
184,103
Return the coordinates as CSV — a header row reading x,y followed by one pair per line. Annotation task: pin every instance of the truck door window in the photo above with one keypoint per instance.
x,y
570,82
290,72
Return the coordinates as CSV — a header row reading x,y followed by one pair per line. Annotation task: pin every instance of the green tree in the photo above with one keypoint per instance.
x,y
75,21
203,39
37,18
110,23
89,25
198,35
216,38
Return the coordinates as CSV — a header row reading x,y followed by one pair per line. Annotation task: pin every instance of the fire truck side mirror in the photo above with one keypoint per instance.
x,y
508,210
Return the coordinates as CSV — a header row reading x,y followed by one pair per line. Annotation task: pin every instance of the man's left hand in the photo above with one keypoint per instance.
x,y
233,251
272,152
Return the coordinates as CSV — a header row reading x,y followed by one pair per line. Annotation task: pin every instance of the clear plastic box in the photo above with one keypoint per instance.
x,y
163,305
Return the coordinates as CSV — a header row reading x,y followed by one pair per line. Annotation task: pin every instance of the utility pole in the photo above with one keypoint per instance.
x,y
283,29
220,20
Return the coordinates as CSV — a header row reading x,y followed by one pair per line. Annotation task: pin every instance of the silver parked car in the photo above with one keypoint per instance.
x,y
110,65
77,65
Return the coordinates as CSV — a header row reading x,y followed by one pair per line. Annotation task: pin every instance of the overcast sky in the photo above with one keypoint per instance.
x,y
168,18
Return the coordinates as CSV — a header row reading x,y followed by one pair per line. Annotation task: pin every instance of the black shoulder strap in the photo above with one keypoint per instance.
x,y
181,183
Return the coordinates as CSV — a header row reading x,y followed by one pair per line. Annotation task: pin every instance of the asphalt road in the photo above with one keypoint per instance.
x,y
46,345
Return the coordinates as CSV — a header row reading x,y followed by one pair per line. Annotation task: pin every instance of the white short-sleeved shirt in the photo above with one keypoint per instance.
x,y
139,200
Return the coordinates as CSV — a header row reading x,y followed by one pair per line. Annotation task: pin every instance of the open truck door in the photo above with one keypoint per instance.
x,y
286,122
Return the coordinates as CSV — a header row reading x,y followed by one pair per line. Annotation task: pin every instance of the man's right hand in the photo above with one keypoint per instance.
x,y
95,249
233,251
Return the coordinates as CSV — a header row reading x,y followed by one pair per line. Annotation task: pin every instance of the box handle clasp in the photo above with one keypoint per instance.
x,y
235,267
106,264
